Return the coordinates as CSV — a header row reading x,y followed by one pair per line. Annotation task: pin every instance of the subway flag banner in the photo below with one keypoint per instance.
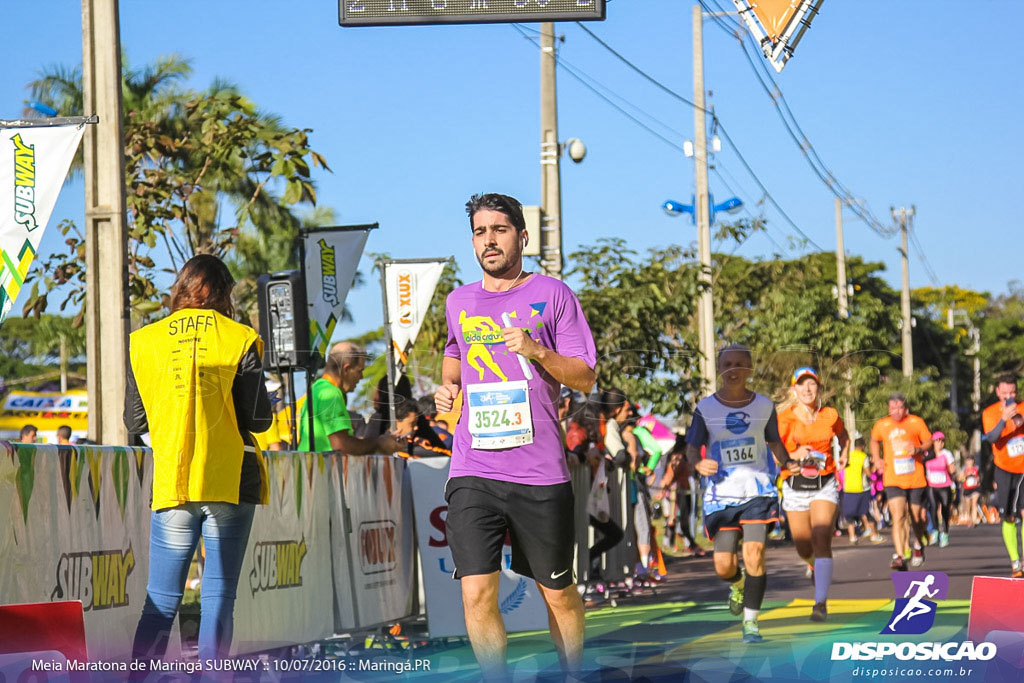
x,y
329,265
409,287
33,164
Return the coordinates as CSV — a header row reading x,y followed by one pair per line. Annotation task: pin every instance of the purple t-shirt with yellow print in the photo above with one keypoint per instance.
x,y
552,314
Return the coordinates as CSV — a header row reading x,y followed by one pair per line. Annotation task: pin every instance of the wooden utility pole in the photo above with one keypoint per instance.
x,y
905,216
106,301
550,156
702,209
842,292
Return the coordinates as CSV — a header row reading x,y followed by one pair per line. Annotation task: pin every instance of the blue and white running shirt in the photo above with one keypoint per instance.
x,y
736,437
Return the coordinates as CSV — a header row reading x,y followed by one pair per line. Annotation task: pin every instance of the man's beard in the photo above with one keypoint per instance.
x,y
495,268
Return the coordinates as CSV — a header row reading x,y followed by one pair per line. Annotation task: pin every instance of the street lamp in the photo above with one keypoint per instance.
x,y
674,208
705,316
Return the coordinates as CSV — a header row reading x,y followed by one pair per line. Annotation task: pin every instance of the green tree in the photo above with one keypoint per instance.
x,y
1001,326
49,345
641,311
188,154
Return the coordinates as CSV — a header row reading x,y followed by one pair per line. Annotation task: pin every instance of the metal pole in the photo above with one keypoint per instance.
x,y
311,359
844,312
106,303
954,398
976,395
390,359
550,171
705,304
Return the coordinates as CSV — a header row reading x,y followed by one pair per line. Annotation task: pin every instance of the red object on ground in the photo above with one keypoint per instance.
x,y
35,627
997,604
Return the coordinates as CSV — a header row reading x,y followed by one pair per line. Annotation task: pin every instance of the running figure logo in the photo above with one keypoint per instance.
x,y
914,613
480,332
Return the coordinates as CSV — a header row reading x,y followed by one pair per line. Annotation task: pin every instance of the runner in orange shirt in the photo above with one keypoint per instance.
x,y
1004,429
903,439
811,497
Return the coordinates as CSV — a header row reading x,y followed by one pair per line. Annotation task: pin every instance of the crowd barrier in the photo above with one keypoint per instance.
x,y
333,552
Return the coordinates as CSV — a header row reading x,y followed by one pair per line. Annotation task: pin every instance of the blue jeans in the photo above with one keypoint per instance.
x,y
174,534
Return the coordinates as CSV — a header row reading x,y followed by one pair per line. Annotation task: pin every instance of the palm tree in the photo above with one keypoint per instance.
x,y
187,154
153,93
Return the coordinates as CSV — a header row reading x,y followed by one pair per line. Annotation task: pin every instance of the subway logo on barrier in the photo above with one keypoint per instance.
x,y
377,546
99,579
24,184
276,565
328,273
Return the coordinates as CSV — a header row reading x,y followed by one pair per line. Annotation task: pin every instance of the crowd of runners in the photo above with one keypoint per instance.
x,y
793,466
755,465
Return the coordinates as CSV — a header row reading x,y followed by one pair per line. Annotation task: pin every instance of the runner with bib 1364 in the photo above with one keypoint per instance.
x,y
739,432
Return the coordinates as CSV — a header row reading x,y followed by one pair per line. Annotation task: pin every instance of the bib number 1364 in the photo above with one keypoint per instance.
x,y
738,456
738,452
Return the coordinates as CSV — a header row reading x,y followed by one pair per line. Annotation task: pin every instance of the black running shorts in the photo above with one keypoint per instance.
x,y
913,496
759,510
1009,493
856,505
539,520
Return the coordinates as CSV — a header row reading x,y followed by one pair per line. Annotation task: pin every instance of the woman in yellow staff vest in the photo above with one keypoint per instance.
x,y
195,383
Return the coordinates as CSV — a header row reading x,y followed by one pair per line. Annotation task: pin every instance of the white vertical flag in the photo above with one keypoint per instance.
x,y
331,258
34,161
409,286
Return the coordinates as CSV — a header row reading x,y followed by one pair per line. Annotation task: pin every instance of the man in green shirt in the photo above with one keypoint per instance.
x,y
331,422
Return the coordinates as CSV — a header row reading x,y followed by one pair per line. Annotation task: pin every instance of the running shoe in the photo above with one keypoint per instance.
x,y
736,597
943,540
877,538
933,539
819,612
751,633
1017,570
897,563
854,541
810,572
917,558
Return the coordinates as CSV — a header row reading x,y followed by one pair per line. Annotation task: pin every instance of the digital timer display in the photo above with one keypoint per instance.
x,y
411,12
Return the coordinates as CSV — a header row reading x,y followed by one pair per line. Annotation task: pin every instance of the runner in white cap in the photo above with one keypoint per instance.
x,y
810,497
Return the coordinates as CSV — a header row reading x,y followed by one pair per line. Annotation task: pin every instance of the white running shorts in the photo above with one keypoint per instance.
x,y
800,501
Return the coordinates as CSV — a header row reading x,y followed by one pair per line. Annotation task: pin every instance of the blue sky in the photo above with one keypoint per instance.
x,y
907,103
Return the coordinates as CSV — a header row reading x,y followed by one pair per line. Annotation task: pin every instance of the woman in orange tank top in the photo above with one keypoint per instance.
x,y
811,498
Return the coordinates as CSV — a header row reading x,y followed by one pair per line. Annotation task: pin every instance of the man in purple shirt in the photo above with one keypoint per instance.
x,y
513,339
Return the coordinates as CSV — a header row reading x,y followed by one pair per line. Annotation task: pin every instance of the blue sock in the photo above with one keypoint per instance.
x,y
822,578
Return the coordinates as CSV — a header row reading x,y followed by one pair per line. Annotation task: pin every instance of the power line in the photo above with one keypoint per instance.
x,y
594,86
778,99
919,250
582,78
721,127
749,213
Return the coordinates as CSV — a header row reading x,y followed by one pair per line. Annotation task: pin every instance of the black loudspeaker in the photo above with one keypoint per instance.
x,y
284,319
